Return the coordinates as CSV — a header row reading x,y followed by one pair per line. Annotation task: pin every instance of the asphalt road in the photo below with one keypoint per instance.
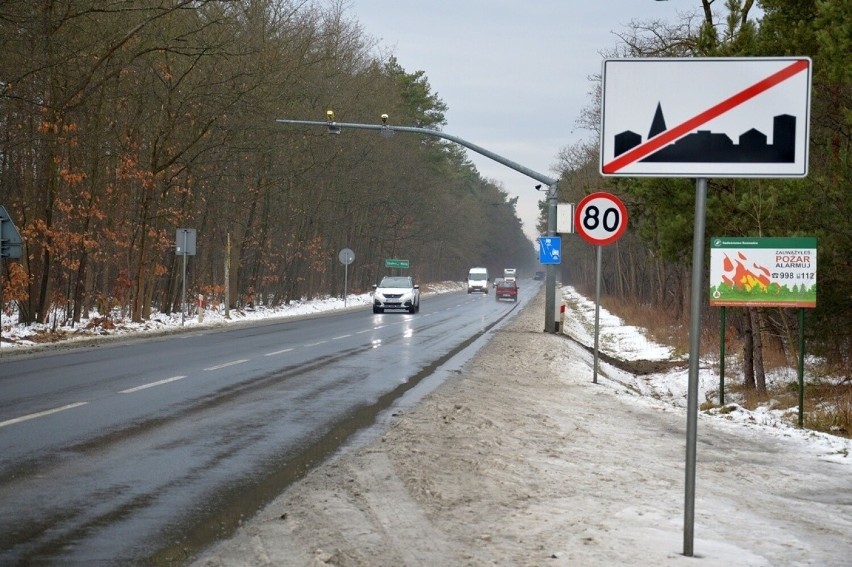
x,y
148,450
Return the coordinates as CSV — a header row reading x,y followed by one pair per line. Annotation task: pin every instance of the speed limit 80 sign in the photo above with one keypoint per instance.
x,y
600,218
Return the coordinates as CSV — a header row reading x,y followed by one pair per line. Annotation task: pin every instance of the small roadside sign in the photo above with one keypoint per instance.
x,y
550,249
346,256
705,117
396,263
185,242
10,239
600,218
565,218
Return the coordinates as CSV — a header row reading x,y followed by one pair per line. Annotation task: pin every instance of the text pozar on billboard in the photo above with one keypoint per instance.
x,y
763,272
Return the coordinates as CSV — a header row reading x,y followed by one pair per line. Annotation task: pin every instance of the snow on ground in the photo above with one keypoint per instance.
x,y
630,343
519,459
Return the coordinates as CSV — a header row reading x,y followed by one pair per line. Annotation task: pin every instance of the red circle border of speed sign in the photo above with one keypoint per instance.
x,y
594,199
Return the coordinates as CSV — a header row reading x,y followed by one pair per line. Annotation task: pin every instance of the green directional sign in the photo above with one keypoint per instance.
x,y
394,263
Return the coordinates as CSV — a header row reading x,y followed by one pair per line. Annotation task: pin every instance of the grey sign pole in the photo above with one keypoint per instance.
x,y
597,313
694,345
183,283
185,246
386,129
346,257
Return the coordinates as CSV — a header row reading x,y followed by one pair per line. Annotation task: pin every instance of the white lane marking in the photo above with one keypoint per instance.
x,y
282,351
225,365
151,384
41,414
364,331
314,344
340,337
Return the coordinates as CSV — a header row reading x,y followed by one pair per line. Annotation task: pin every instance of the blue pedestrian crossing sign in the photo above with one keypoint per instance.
x,y
549,249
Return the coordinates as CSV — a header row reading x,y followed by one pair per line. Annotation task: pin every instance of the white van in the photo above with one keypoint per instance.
x,y
477,280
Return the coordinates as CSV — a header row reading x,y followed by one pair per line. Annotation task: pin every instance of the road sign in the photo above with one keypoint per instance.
x,y
565,218
185,242
395,263
706,117
600,218
549,249
10,239
763,272
346,256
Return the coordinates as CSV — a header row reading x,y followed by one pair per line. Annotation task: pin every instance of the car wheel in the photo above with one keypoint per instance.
x,y
378,310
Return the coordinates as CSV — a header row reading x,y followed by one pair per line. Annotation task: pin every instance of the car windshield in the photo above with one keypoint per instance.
x,y
396,282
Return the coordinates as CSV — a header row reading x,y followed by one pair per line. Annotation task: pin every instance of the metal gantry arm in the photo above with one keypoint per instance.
x,y
550,282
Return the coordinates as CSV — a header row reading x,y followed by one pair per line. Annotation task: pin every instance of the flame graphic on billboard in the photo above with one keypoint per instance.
x,y
737,275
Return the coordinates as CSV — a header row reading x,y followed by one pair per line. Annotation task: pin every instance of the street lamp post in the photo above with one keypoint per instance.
x,y
550,281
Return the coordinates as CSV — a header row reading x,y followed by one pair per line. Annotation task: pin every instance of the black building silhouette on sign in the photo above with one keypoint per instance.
x,y
704,146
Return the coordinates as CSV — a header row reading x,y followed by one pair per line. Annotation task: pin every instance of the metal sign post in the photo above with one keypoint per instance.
x,y
185,246
346,257
718,126
599,219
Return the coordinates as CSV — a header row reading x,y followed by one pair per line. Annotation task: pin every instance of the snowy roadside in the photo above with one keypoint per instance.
x,y
520,460
630,343
20,337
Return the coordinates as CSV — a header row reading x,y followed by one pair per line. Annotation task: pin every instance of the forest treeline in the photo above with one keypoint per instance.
x,y
651,264
123,122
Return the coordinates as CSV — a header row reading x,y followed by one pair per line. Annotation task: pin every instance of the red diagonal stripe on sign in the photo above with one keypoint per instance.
x,y
681,130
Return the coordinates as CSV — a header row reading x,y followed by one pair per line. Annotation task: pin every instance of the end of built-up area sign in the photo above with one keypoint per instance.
x,y
706,117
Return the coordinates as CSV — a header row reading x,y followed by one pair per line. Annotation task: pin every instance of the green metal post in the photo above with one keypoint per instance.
x,y
722,357
801,367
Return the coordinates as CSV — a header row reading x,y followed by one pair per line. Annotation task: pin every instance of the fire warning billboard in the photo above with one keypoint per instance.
x,y
763,272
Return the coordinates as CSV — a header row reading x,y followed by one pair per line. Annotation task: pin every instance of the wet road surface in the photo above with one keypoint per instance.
x,y
147,451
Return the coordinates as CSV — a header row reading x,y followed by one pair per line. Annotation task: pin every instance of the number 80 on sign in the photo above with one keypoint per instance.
x,y
600,218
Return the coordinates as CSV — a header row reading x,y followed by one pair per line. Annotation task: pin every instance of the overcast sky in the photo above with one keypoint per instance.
x,y
514,74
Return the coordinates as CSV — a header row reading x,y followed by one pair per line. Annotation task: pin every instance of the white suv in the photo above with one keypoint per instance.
x,y
396,292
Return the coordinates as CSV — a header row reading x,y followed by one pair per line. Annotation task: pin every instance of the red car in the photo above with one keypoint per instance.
x,y
506,290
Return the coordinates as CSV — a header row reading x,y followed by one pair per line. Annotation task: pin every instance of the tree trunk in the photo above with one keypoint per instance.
x,y
759,372
748,351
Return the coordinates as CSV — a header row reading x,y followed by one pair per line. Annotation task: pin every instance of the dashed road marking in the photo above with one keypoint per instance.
x,y
41,414
282,351
151,384
225,365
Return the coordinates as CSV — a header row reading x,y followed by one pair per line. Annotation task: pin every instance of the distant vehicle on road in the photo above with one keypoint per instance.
x,y
507,289
477,280
510,274
538,276
396,292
